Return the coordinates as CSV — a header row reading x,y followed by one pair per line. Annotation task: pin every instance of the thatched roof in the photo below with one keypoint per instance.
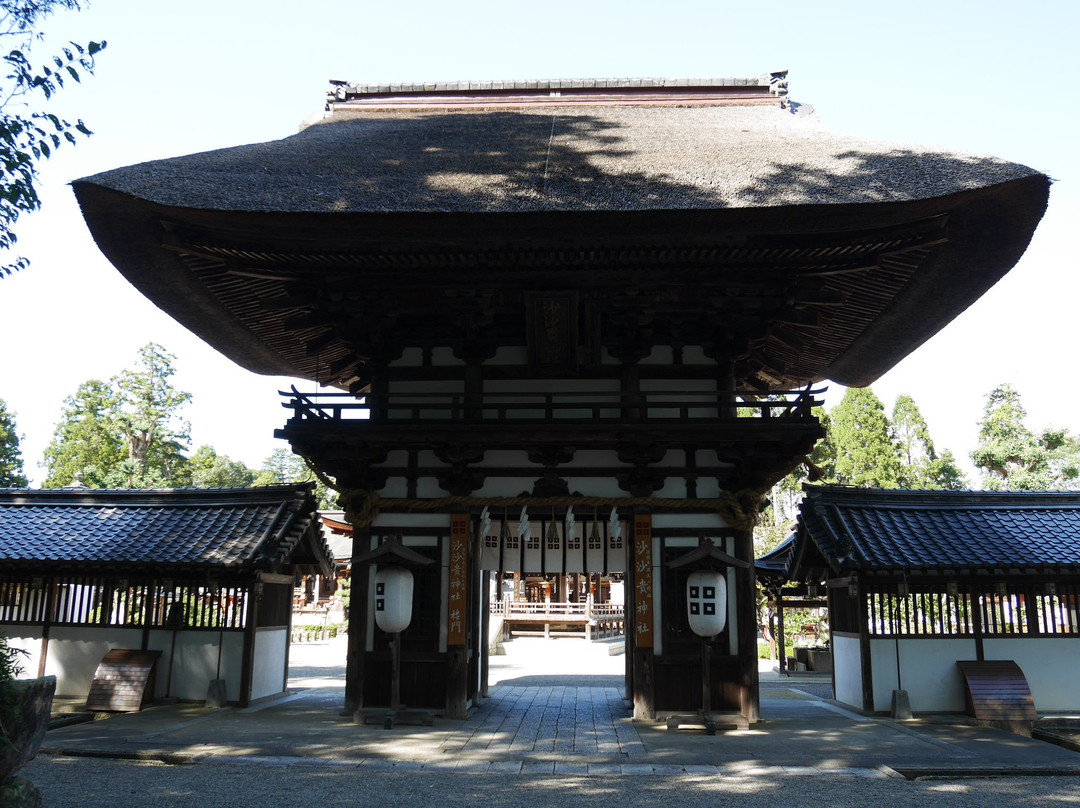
x,y
828,257
619,158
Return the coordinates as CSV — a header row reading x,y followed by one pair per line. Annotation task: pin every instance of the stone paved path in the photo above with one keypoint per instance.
x,y
590,722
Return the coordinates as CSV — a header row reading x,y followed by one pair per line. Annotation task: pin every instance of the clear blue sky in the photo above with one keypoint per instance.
x,y
985,77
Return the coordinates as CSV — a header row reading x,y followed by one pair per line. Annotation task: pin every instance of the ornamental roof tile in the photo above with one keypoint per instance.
x,y
186,530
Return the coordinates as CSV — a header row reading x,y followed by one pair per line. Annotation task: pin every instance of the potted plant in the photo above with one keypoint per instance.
x,y
25,707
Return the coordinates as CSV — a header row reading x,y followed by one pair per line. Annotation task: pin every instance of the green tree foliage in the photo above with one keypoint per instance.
x,y
777,520
149,419
28,134
865,453
208,469
124,434
283,467
921,466
86,446
1012,457
11,462
862,447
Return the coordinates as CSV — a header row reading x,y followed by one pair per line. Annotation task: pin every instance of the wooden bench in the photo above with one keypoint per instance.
x,y
997,690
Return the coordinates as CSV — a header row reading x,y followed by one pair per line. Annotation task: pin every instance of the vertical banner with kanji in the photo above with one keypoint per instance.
x,y
459,564
643,581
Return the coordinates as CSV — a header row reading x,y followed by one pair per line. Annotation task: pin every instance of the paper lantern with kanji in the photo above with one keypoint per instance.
x,y
393,598
706,602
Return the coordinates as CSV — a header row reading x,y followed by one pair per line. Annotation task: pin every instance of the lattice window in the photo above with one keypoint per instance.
x,y
918,614
86,601
1003,610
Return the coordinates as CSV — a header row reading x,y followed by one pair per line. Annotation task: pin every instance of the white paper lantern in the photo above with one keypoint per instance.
x,y
706,602
393,597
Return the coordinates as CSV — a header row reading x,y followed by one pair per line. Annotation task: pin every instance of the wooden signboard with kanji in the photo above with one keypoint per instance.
x,y
643,581
459,565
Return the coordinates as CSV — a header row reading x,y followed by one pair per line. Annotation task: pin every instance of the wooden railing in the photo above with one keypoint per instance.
x,y
572,612
593,620
525,406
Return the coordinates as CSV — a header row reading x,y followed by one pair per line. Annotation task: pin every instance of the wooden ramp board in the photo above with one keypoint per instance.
x,y
123,681
997,690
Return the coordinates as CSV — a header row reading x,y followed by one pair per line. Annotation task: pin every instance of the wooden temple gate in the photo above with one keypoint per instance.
x,y
676,501
562,295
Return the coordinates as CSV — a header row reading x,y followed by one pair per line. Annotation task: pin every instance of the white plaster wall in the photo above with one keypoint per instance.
x,y
75,653
397,459
660,355
28,639
928,672
673,488
590,487
1049,665
444,357
847,670
582,388
395,487
268,676
509,355
695,355
186,672
420,519
701,393
509,457
690,520
410,357
429,488
420,388
708,488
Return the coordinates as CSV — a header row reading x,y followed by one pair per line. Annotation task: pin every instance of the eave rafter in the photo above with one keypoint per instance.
x,y
780,307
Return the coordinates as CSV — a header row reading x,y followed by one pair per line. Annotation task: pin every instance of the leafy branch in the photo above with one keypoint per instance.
x,y
27,135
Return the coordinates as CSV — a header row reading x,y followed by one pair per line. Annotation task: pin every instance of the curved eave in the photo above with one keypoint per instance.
x,y
988,230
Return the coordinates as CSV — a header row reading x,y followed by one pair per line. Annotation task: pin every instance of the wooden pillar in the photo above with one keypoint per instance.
x,y
746,595
251,624
457,658
357,636
50,586
726,389
640,605
865,656
485,631
781,642
976,621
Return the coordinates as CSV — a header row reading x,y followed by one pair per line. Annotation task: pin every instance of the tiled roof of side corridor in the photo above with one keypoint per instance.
x,y
873,529
228,530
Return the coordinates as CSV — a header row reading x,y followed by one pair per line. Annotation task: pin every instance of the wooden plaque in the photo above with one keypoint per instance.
x,y
123,681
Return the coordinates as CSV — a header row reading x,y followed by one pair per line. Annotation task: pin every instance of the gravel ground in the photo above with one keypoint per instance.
x,y
263,782
99,783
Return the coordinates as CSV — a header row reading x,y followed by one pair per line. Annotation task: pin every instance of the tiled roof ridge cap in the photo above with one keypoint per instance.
x,y
130,497
341,89
908,499
848,490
